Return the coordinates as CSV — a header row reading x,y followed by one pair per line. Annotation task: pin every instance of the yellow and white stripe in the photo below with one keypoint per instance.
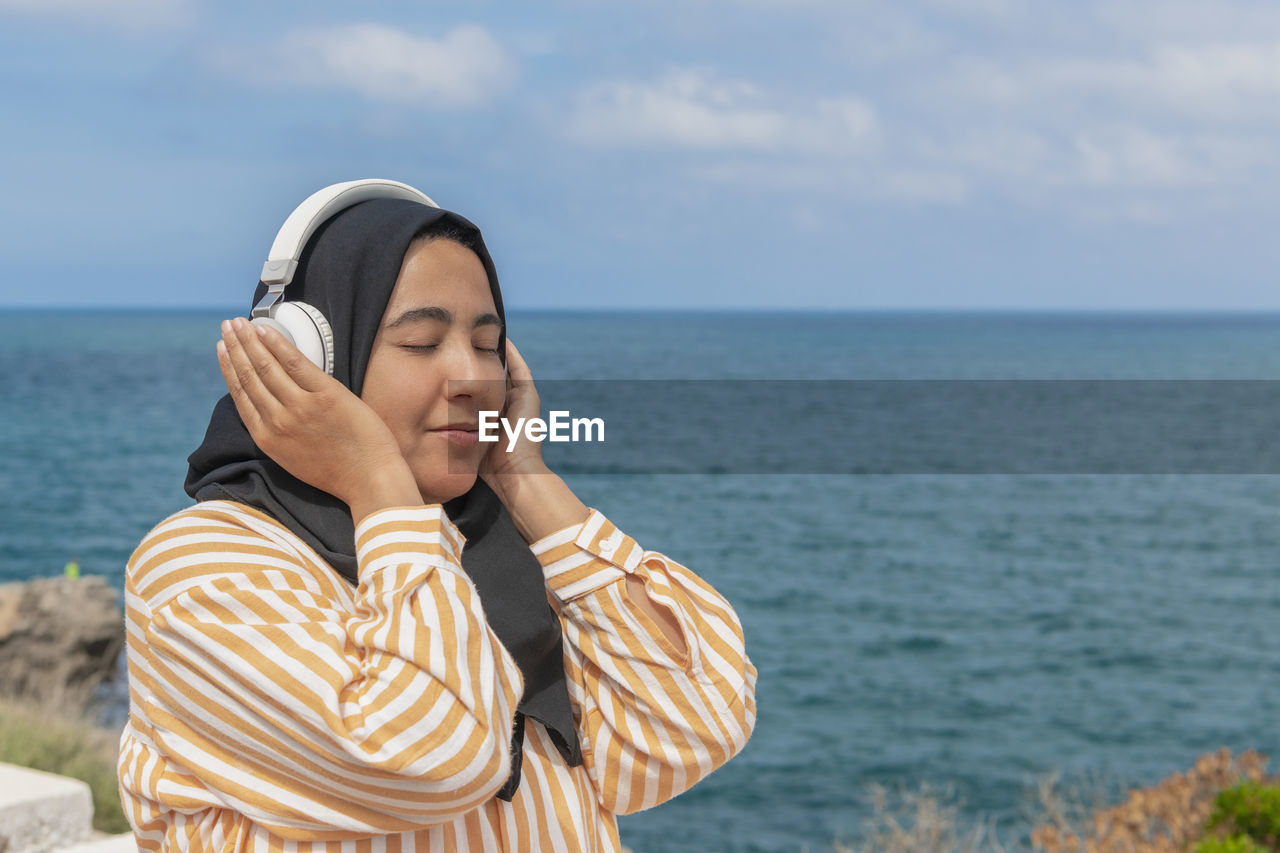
x,y
275,709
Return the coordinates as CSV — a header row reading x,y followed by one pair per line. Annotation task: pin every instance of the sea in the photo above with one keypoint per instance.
x,y
968,631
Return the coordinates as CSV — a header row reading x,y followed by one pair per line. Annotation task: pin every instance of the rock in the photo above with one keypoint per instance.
x,y
59,637
40,811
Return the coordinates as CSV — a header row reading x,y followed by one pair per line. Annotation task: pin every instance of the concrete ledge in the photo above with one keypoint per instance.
x,y
41,811
112,844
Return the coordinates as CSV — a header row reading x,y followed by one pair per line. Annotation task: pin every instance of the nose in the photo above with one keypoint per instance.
x,y
473,373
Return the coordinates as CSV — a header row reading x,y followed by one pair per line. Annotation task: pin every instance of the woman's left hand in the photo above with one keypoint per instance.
x,y
522,403
539,502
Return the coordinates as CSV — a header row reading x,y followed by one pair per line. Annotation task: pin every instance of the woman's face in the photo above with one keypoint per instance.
x,y
435,366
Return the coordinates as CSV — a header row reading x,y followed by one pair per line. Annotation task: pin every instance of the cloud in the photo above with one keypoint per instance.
x,y
1014,153
1215,80
1098,108
1220,81
463,68
1110,165
828,180
1133,156
1126,126
124,14
693,109
1184,21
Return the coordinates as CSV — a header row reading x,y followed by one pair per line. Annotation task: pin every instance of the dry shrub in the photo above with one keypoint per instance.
x,y
924,821
1169,817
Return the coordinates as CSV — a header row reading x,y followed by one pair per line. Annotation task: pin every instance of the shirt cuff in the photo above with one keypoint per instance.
x,y
392,536
585,557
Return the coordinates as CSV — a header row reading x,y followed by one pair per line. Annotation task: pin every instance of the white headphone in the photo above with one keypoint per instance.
x,y
299,322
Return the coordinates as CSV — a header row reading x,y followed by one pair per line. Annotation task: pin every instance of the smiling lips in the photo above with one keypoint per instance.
x,y
463,434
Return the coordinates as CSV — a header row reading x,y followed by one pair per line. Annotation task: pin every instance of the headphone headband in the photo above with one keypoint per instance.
x,y
282,261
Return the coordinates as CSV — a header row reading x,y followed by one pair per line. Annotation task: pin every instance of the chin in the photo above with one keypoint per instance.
x,y
447,486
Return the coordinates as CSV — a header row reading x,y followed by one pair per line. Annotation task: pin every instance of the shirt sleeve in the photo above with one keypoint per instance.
x,y
319,718
654,719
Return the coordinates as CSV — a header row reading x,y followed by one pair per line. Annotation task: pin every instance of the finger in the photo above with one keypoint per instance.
x,y
263,401
270,373
244,406
517,370
300,369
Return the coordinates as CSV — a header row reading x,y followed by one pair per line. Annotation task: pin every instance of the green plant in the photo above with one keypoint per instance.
x,y
1230,844
1250,810
36,736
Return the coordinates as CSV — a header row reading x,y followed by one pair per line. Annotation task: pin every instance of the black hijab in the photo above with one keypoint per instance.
x,y
348,271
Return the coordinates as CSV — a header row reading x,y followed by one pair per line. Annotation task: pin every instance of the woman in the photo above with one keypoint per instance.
x,y
373,628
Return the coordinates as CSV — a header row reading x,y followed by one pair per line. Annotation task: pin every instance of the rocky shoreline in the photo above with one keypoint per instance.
x,y
60,638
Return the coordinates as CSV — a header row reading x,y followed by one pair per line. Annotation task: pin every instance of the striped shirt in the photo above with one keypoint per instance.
x,y
275,708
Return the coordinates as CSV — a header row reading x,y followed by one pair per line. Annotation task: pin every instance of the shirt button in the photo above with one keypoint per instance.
x,y
608,546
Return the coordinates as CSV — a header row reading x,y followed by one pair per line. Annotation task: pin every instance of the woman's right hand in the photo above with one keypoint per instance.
x,y
311,424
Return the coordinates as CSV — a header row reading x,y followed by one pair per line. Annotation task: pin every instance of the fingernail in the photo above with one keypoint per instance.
x,y
226,326
262,331
238,323
222,348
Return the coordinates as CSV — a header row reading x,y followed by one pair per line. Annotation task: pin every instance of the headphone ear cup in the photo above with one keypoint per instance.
x,y
306,328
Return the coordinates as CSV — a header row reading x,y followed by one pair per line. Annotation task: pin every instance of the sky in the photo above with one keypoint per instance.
x,y
805,154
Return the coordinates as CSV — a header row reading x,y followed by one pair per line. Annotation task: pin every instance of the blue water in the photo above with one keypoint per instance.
x,y
972,631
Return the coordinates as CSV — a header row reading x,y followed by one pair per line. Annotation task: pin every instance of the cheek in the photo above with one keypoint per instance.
x,y
385,407
390,393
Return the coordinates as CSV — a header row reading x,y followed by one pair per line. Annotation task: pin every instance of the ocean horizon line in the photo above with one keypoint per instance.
x,y
748,310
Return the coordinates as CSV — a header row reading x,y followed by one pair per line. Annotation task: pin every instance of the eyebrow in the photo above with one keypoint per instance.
x,y
440,315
